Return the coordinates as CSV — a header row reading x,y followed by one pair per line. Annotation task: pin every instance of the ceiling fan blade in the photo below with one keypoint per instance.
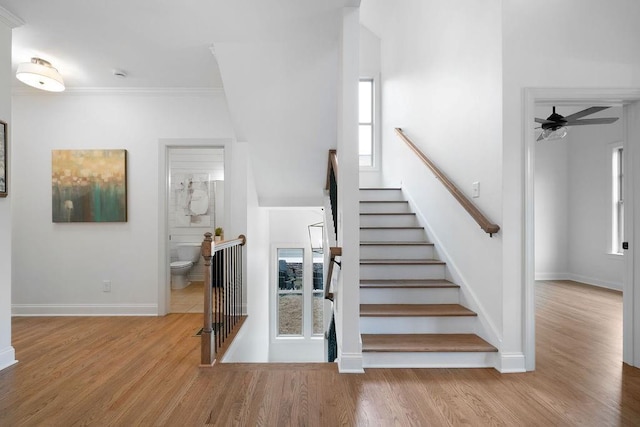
x,y
601,121
588,111
543,121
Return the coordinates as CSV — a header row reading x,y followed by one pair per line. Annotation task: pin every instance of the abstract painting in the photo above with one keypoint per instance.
x,y
89,185
191,197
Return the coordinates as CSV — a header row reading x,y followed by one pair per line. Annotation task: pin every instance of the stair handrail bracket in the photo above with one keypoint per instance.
x,y
222,312
485,224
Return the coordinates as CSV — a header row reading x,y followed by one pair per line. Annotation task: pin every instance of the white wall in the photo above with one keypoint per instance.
x,y
590,203
573,204
251,345
441,83
7,353
76,258
583,44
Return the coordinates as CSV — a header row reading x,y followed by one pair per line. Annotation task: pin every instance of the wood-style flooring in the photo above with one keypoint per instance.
x,y
144,371
189,299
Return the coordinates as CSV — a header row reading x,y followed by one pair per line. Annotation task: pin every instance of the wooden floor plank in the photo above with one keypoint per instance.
x,y
144,371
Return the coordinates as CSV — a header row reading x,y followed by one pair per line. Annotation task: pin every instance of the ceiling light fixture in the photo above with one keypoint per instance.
x,y
551,134
40,74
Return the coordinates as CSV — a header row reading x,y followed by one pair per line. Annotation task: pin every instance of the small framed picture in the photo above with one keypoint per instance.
x,y
3,159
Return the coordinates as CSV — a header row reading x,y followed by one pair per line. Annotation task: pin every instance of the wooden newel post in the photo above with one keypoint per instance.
x,y
207,352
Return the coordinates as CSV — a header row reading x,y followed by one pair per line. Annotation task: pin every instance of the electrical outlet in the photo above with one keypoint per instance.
x,y
106,286
475,190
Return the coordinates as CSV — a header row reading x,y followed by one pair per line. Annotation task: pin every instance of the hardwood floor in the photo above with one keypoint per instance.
x,y
144,371
189,299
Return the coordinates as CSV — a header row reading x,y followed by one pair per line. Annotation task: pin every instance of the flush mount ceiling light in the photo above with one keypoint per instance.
x,y
40,74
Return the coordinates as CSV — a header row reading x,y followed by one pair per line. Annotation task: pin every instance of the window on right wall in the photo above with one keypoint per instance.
x,y
617,199
366,122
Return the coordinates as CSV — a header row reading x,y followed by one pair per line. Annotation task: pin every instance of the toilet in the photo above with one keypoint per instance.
x,y
188,254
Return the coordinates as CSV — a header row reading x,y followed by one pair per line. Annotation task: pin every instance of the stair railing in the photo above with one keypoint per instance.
x,y
332,186
334,251
224,283
467,204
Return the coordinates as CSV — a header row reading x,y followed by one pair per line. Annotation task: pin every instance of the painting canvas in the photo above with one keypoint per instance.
x,y
89,185
3,159
191,197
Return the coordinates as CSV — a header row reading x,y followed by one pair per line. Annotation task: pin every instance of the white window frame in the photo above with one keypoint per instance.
x,y
617,198
375,116
307,295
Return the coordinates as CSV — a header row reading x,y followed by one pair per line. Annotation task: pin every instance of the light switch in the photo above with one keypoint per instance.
x,y
475,190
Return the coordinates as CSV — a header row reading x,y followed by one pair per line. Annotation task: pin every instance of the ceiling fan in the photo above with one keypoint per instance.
x,y
555,126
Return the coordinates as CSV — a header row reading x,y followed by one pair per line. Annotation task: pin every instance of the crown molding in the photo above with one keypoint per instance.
x,y
121,91
8,18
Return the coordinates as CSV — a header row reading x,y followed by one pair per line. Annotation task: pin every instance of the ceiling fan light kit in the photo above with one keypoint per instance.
x,y
40,74
556,126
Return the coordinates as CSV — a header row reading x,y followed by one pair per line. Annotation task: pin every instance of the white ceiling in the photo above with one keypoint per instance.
x,y
158,43
279,61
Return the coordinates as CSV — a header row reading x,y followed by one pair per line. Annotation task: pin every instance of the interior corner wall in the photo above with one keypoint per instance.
x,y
441,83
7,352
251,345
590,203
58,269
552,210
554,52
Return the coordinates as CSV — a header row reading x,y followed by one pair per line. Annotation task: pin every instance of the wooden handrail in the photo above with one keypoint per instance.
x,y
475,213
334,252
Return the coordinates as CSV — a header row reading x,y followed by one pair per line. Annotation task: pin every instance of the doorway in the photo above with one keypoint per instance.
x,y
192,180
628,99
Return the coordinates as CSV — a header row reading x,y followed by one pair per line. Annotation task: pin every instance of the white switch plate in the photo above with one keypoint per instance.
x,y
106,286
475,187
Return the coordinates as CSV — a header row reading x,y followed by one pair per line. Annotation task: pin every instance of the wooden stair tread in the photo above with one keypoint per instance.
x,y
406,283
394,243
414,310
425,343
401,262
384,201
380,188
387,213
378,227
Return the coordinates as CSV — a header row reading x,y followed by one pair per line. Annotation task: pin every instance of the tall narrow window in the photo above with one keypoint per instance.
x,y
617,162
290,291
365,114
318,292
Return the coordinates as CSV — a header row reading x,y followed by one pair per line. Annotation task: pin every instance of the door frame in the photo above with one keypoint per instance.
x,y
631,298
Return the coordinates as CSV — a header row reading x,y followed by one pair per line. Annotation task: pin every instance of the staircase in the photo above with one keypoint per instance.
x,y
410,314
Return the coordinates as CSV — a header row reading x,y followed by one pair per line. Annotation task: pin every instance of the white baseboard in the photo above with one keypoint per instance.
x,y
596,282
579,278
511,363
552,276
84,310
350,363
7,357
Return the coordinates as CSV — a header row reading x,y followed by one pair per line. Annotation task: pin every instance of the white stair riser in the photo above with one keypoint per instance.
x,y
409,296
376,272
396,252
392,235
368,195
388,220
384,207
429,360
418,325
